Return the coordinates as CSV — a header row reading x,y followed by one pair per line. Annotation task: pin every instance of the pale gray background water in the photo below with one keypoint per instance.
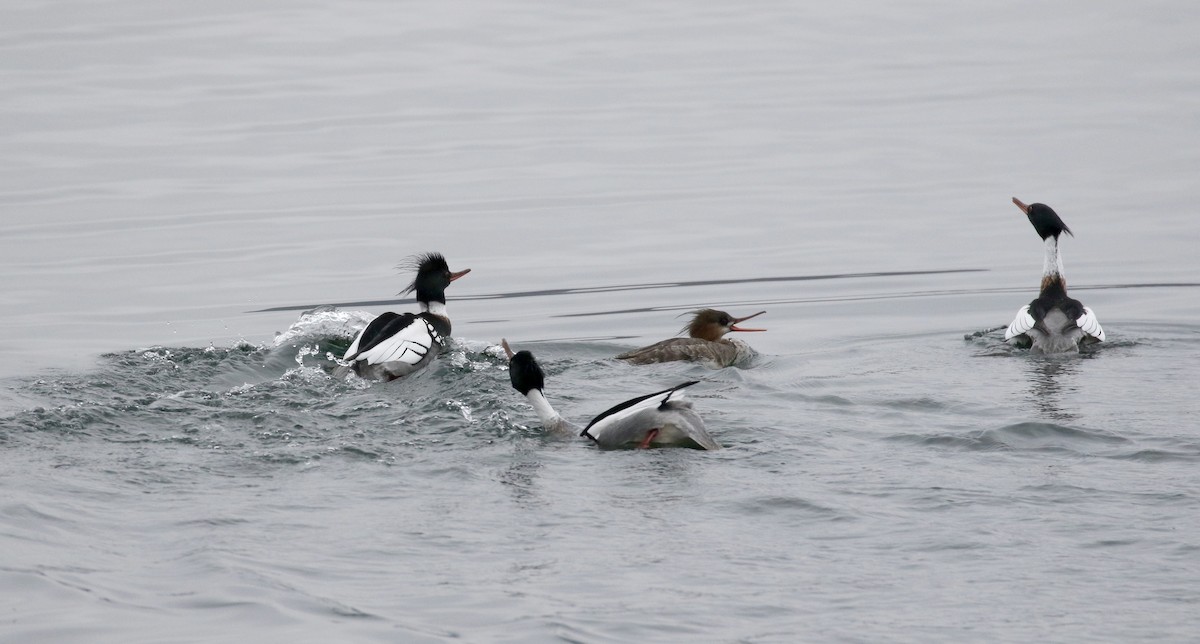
x,y
168,168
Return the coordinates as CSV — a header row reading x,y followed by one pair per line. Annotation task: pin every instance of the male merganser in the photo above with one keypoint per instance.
x,y
394,345
660,419
705,342
1053,323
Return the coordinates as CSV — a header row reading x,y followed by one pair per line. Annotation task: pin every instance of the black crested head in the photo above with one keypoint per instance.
x,y
525,372
433,276
1045,221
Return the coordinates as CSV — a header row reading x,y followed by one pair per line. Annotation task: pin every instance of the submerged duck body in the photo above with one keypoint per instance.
x,y
1053,322
395,345
661,419
705,343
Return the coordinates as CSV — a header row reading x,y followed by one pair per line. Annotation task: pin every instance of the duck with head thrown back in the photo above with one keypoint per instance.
x,y
1053,322
661,419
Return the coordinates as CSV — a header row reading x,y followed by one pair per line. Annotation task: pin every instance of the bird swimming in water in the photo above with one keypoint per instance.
x,y
1052,323
706,342
661,419
395,345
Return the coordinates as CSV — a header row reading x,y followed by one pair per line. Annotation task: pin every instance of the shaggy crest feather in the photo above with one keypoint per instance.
x,y
695,313
424,261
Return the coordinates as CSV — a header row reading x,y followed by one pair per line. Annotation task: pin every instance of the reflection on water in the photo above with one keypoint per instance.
x,y
1051,383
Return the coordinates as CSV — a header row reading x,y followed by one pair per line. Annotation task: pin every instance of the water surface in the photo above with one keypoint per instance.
x,y
181,183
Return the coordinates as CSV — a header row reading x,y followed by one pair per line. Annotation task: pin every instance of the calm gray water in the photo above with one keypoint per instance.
x,y
183,184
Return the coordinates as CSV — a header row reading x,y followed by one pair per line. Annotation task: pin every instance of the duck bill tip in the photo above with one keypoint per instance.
x,y
1022,205
507,349
737,321
454,276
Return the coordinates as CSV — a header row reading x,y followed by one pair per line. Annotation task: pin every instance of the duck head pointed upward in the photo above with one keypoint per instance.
x,y
1045,221
433,276
1049,226
712,325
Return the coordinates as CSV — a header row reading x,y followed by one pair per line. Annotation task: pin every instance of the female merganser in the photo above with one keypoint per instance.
x,y
705,342
660,419
1053,323
394,345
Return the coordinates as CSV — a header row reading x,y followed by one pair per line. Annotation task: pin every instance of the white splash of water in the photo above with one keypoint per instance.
x,y
324,322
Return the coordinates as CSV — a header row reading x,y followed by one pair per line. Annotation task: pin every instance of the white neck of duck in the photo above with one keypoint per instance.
x,y
550,418
435,308
1052,266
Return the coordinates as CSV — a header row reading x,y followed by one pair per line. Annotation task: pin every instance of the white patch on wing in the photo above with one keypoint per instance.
x,y
1090,325
353,346
409,345
1021,324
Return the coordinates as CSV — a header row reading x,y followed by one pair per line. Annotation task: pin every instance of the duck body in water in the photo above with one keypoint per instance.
x,y
661,419
395,345
706,343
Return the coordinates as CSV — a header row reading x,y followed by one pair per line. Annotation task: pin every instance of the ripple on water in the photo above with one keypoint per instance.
x,y
990,343
789,505
1034,434
1160,455
1023,436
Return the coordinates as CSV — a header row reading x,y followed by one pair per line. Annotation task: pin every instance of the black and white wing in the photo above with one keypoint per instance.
x,y
1021,324
406,339
1090,325
627,424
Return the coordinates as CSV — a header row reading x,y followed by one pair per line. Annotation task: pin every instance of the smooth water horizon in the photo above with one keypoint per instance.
x,y
202,203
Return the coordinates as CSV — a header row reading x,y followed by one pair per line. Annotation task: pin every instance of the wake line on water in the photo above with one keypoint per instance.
x,y
633,287
751,280
868,298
